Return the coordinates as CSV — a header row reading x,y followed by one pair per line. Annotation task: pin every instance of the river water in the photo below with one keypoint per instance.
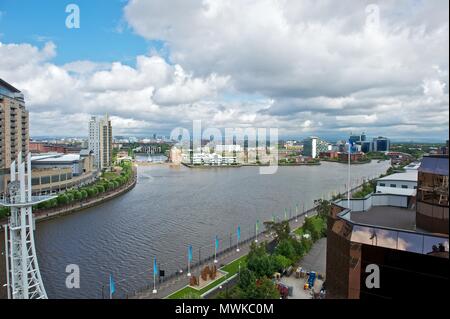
x,y
169,209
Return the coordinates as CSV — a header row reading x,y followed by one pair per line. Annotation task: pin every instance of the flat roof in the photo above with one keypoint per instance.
x,y
410,176
8,86
387,216
56,158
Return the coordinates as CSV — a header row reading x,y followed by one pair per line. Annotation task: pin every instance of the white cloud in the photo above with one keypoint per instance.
x,y
314,58
314,66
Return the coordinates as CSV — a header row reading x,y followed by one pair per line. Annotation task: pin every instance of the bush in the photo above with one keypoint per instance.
x,y
315,226
286,249
84,194
4,212
260,262
77,195
62,199
282,262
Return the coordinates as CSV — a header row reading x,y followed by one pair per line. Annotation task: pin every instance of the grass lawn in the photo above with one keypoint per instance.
x,y
317,222
231,269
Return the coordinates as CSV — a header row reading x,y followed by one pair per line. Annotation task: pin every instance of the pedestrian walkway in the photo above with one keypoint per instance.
x,y
174,284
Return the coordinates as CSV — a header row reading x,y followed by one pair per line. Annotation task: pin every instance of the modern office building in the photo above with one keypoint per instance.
x,y
406,246
381,144
14,129
357,139
313,146
366,146
100,142
55,172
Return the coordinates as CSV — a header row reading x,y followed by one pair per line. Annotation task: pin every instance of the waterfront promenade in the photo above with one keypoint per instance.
x,y
168,287
40,215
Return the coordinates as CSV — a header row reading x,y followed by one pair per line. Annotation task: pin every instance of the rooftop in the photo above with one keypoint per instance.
x,y
387,216
8,86
385,220
55,157
407,177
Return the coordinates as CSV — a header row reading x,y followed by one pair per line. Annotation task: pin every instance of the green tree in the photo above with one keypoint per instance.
x,y
62,199
259,261
323,207
286,249
84,194
265,289
281,262
77,195
281,229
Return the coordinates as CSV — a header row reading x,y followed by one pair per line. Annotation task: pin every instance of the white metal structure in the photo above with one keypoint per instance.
x,y
23,277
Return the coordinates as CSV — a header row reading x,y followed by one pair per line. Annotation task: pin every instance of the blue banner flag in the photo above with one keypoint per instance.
x,y
190,253
217,243
112,285
239,233
155,267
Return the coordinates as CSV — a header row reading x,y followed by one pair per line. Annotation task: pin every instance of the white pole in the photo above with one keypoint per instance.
x,y
348,177
189,268
215,251
154,282
7,261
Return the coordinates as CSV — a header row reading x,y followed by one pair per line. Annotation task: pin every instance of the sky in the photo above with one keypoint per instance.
x,y
308,67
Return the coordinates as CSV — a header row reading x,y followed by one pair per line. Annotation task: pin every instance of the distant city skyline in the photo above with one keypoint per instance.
x,y
306,68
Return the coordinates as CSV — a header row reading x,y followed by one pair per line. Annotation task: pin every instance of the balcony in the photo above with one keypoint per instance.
x,y
386,221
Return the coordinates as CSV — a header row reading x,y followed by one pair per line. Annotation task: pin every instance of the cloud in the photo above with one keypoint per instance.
x,y
152,94
314,58
306,67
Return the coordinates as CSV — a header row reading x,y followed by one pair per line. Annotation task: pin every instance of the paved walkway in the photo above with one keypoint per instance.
x,y
170,286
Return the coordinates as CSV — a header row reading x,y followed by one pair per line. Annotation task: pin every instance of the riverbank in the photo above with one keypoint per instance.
x,y
346,162
300,164
168,210
210,166
41,215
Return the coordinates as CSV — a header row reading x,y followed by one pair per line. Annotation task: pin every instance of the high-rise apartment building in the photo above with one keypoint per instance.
x,y
14,131
100,142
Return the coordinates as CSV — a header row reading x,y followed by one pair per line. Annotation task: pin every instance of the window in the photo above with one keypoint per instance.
x,y
404,186
45,180
35,181
393,185
382,184
55,178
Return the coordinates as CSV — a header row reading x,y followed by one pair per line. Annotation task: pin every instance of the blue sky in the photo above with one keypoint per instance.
x,y
103,37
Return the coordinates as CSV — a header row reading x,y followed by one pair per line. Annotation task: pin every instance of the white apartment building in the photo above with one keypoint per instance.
x,y
100,142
